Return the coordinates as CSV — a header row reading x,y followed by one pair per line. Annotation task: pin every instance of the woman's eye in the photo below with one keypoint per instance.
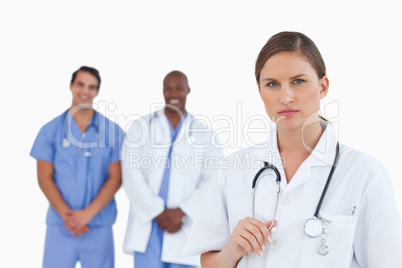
x,y
272,84
298,81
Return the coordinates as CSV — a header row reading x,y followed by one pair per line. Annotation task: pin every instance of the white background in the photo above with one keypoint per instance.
x,y
134,44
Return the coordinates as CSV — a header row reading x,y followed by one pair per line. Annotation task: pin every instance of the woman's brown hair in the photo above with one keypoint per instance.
x,y
290,42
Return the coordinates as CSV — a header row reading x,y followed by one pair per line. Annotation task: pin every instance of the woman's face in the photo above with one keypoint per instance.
x,y
291,90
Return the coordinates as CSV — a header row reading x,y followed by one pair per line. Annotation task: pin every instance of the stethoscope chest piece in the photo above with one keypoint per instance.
x,y
323,249
312,227
65,143
87,154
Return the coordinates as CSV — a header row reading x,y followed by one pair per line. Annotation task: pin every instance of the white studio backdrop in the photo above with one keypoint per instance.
x,y
134,44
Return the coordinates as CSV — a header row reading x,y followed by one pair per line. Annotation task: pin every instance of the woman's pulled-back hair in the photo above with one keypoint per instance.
x,y
290,42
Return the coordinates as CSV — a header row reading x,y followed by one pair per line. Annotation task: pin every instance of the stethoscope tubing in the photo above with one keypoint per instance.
x,y
267,165
66,143
331,173
190,118
278,181
254,184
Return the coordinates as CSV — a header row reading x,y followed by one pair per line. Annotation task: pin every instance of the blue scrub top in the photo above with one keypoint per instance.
x,y
79,178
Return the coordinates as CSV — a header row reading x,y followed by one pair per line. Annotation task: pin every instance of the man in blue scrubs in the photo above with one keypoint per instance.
x,y
78,164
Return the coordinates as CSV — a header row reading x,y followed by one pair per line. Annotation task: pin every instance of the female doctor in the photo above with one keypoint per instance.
x,y
317,203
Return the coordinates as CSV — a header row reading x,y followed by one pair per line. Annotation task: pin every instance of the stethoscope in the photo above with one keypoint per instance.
x,y
313,226
190,132
67,143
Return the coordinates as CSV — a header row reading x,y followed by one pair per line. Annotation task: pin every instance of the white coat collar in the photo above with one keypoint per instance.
x,y
161,114
323,154
163,135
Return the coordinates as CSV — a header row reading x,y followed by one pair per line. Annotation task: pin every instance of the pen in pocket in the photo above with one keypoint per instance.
x,y
354,210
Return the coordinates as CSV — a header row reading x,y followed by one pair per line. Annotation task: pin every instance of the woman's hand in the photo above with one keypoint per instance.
x,y
248,236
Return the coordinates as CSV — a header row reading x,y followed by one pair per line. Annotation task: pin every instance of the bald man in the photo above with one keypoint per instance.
x,y
167,165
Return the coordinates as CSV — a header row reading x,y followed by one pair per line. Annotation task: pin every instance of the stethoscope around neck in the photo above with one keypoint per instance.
x,y
313,226
67,143
154,116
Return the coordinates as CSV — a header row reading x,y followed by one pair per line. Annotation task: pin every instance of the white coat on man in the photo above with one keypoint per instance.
x,y
195,156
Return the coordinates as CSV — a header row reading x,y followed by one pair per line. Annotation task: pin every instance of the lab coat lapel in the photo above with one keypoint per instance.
x,y
302,175
322,155
180,145
162,129
183,134
324,152
158,149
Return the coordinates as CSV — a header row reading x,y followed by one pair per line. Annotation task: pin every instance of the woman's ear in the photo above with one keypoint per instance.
x,y
324,84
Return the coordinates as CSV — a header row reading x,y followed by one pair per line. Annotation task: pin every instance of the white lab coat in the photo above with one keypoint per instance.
x,y
371,237
144,156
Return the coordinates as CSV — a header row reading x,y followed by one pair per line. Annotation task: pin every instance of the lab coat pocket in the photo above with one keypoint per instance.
x,y
339,234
